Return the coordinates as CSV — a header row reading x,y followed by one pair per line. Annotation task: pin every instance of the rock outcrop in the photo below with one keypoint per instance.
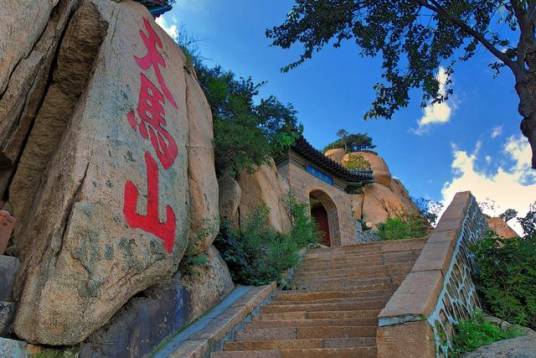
x,y
384,198
106,157
264,186
501,228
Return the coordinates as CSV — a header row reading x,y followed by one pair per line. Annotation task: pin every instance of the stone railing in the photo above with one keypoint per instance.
x,y
418,319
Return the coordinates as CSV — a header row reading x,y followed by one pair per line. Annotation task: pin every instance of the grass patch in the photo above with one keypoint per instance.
x,y
400,228
257,254
477,332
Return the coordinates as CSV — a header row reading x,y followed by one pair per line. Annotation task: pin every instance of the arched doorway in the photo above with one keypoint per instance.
x,y
324,212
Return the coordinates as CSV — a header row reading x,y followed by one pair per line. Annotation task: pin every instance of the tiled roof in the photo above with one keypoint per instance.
x,y
305,149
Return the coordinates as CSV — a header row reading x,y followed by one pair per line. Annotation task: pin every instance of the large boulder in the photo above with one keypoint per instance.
x,y
109,215
203,183
161,311
230,196
265,186
381,203
501,228
336,154
380,170
29,35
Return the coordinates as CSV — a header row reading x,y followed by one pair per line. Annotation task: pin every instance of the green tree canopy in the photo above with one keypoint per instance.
x,y
247,132
351,142
415,37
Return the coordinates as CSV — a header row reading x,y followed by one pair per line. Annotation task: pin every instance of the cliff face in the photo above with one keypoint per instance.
x,y
386,197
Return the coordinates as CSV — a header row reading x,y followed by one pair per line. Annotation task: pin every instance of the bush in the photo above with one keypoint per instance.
x,y
400,228
506,277
256,254
351,142
477,332
356,162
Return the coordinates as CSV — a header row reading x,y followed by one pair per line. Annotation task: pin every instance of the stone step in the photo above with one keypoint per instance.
x,y
361,352
359,255
303,296
403,266
300,344
303,277
284,333
349,314
377,260
312,323
361,260
331,285
334,300
316,307
9,266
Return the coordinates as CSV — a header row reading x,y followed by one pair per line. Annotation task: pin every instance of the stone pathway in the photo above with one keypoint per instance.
x,y
332,310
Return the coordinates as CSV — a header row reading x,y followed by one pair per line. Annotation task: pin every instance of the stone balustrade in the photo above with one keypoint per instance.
x,y
419,318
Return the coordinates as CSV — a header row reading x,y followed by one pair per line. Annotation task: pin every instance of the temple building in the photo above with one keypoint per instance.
x,y
328,187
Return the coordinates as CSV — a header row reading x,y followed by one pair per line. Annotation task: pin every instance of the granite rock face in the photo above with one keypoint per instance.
x,y
501,228
520,347
160,311
110,217
265,186
385,198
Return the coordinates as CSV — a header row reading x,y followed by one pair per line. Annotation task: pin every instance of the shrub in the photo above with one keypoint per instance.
x,y
256,254
356,162
351,142
506,277
400,228
477,332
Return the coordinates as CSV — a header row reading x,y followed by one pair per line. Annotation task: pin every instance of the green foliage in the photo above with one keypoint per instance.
x,y
247,132
528,223
414,37
506,278
400,228
429,209
356,162
477,332
256,254
193,257
351,142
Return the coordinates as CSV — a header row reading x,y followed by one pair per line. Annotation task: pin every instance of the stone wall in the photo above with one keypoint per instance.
x,y
336,201
439,290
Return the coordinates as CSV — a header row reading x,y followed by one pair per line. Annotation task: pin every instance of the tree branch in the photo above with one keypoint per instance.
x,y
438,9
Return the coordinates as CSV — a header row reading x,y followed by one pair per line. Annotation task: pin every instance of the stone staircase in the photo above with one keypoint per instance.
x,y
333,307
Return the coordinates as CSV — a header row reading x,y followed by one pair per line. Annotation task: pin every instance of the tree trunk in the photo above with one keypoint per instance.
x,y
526,90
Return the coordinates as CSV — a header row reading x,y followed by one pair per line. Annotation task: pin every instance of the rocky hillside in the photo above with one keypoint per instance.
x,y
386,197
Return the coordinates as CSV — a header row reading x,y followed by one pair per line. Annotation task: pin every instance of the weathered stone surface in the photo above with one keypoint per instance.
x,y
204,208
142,323
381,203
7,313
230,196
12,348
357,206
9,266
380,170
336,154
7,224
412,339
29,35
89,246
265,186
206,285
501,229
520,347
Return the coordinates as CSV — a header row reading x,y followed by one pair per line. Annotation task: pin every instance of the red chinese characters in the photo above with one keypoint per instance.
x,y
149,120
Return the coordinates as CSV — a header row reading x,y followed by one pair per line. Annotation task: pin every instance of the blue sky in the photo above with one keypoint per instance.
x,y
334,90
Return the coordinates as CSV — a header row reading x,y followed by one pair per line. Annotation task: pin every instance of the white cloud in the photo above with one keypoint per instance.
x,y
496,132
436,113
508,187
169,27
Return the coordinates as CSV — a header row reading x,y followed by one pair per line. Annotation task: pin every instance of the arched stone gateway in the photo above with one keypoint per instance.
x,y
324,212
327,187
